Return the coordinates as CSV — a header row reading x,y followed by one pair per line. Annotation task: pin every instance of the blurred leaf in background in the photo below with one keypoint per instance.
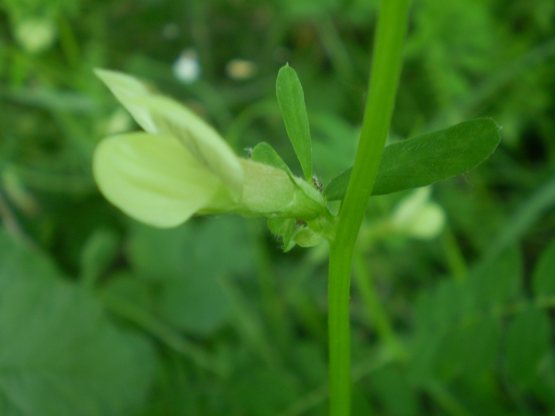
x,y
60,352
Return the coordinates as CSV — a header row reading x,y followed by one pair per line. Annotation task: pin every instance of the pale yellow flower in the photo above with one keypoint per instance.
x,y
181,166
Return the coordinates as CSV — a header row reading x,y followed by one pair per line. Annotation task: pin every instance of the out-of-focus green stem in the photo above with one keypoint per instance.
x,y
455,259
376,313
384,79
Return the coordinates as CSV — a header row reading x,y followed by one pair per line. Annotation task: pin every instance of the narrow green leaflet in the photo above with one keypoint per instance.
x,y
284,229
290,98
544,274
265,153
498,281
527,346
428,158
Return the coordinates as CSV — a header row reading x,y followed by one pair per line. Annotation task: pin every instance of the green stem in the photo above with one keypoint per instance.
x,y
268,288
168,336
384,79
449,403
376,313
455,259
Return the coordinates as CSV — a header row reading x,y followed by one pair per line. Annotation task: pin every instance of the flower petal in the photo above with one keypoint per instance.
x,y
127,89
153,178
204,143
156,113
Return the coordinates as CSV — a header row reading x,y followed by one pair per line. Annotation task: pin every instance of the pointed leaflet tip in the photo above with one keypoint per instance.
x,y
291,102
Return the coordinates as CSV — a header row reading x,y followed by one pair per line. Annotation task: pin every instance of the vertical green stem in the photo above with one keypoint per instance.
x,y
455,259
376,313
384,79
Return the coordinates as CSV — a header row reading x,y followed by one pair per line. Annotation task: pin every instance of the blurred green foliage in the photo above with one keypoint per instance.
x,y
102,316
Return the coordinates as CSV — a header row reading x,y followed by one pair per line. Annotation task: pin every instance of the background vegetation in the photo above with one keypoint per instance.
x,y
100,315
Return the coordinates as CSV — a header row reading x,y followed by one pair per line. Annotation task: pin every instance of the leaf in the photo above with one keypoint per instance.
x,y
195,304
544,274
468,349
250,393
447,334
395,391
498,281
190,295
290,98
284,229
527,344
428,158
264,153
529,212
291,233
190,251
60,355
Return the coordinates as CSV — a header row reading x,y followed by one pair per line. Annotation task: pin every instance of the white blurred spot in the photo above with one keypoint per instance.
x,y
187,67
417,216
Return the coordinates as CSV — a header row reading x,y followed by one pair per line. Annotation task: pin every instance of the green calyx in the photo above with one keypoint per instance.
x,y
273,193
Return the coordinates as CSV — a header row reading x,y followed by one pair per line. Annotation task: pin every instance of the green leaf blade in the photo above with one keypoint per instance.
x,y
60,353
544,278
428,158
527,346
264,153
291,102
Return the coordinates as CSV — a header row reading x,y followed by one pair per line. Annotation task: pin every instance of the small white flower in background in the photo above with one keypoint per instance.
x,y
35,34
417,216
240,69
187,67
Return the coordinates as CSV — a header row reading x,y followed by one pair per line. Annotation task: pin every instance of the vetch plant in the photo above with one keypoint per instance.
x,y
180,166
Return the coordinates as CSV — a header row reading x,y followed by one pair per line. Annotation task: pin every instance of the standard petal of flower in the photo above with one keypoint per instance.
x,y
127,89
153,178
156,113
208,147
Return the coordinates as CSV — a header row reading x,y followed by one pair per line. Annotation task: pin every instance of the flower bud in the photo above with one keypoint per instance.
x,y
417,216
